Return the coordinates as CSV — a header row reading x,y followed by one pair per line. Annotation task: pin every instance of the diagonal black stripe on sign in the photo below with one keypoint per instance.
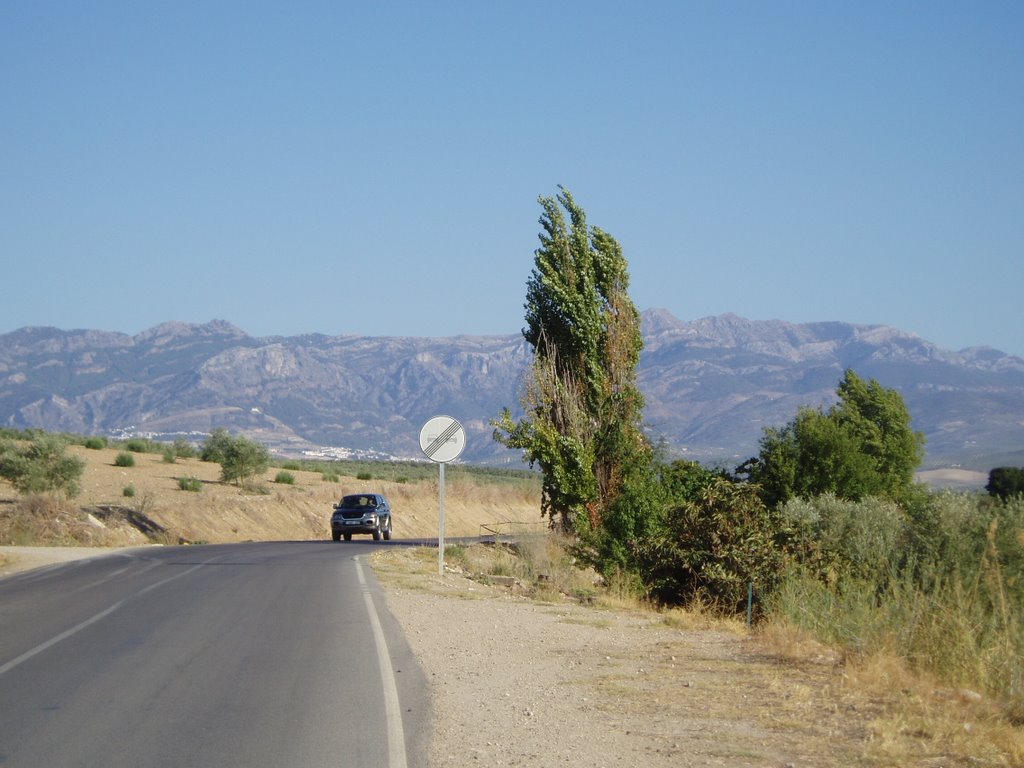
x,y
441,439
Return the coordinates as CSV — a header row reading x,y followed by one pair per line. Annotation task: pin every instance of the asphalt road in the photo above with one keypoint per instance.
x,y
271,654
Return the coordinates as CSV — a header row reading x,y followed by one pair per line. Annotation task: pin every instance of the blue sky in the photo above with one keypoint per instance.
x,y
374,168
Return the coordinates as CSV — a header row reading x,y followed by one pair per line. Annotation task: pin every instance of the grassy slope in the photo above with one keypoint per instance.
x,y
227,513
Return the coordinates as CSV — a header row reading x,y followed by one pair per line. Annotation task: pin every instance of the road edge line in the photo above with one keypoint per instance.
x,y
392,708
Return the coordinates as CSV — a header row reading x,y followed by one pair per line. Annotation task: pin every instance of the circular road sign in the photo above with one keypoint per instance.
x,y
442,439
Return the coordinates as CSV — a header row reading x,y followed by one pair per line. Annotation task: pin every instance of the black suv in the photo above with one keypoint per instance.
x,y
361,513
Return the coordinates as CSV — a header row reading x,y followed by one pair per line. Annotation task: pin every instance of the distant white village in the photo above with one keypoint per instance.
x,y
318,453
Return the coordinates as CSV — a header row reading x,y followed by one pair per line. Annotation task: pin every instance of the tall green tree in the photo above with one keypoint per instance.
x,y
880,422
862,446
583,411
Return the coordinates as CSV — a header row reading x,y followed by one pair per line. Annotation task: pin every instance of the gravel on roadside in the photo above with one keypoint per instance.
x,y
518,682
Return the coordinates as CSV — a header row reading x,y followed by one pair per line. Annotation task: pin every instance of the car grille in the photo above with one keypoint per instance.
x,y
352,515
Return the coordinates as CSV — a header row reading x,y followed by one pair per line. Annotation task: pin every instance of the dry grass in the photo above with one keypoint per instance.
x,y
697,617
46,520
915,721
271,512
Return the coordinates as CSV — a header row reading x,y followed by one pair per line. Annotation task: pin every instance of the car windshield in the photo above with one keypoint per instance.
x,y
362,500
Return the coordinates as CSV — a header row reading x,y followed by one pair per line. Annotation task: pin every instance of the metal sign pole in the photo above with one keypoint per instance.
x,y
442,439
440,527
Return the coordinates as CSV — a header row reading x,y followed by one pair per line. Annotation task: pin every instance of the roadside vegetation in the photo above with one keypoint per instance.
x,y
823,533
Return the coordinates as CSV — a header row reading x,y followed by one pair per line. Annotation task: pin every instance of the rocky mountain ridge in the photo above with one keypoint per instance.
x,y
711,385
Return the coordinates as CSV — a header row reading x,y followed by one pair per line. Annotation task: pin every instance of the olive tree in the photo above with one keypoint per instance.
x,y
41,465
239,457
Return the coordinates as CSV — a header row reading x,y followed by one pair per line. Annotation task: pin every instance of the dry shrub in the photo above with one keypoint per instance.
x,y
44,520
542,565
788,642
923,716
35,519
915,713
701,616
491,560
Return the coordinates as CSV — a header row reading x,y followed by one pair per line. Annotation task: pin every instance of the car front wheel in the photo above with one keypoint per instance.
x,y
387,530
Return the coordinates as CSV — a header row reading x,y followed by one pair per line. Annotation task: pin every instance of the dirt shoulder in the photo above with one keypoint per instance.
x,y
517,682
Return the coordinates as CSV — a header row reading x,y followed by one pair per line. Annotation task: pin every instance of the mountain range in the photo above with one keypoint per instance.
x,y
711,386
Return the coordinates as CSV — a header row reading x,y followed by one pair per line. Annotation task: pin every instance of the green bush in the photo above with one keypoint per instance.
x,y
216,444
124,459
41,465
364,476
169,456
294,466
838,538
95,442
140,445
860,447
285,477
635,515
712,547
128,490
330,477
183,449
244,459
192,484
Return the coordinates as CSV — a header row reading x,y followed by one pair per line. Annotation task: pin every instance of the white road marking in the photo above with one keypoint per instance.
x,y
90,621
58,638
392,708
